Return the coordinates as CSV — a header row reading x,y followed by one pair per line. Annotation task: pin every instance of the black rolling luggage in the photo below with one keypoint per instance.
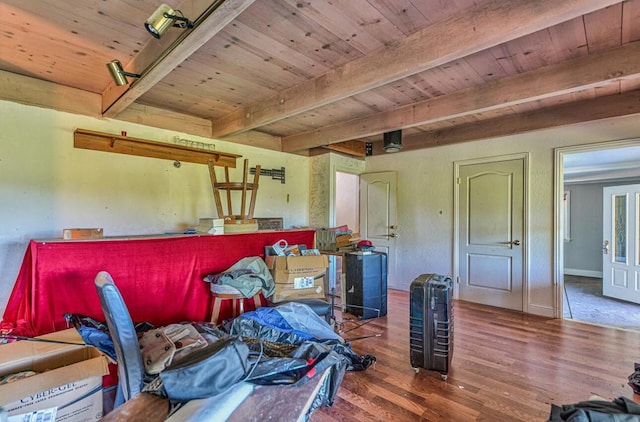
x,y
431,323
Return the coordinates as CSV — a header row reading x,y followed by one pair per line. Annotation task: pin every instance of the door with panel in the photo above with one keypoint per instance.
x,y
620,238
491,233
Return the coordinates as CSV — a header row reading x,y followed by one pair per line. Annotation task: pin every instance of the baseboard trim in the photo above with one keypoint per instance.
x,y
540,310
583,273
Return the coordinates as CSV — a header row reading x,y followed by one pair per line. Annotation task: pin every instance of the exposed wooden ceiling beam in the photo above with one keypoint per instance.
x,y
166,119
39,93
180,122
36,92
354,148
440,43
257,139
569,76
159,57
606,107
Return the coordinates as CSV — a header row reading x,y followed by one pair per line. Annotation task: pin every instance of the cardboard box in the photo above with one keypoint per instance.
x,y
298,277
68,383
210,226
96,233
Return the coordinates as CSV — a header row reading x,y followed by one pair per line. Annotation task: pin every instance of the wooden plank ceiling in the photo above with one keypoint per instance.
x,y
309,76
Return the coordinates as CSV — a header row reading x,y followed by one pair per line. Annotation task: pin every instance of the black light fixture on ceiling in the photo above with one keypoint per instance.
x,y
118,74
164,18
392,141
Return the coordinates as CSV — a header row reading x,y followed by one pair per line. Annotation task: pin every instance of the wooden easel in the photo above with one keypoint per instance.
x,y
229,186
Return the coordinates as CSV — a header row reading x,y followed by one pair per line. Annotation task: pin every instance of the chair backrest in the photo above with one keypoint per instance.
x,y
125,339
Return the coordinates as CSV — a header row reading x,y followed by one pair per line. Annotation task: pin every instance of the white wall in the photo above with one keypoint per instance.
x,y
425,200
47,185
584,251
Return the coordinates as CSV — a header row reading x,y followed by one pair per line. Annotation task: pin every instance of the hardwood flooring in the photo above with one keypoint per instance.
x,y
507,366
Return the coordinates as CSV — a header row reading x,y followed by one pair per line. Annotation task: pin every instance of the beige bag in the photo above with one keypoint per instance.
x,y
162,346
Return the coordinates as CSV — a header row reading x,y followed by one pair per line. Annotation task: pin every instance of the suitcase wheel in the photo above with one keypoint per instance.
x,y
443,376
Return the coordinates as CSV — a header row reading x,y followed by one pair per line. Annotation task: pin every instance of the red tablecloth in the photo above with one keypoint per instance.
x,y
160,278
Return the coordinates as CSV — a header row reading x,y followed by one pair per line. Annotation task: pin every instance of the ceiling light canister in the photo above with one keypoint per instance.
x,y
164,18
118,74
392,141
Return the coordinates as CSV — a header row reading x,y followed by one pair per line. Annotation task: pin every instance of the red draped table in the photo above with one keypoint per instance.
x,y
160,278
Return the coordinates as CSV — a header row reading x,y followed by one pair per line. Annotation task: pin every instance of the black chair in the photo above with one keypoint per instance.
x,y
124,336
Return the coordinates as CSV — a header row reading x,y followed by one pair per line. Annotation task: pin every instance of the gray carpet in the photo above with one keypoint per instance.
x,y
587,304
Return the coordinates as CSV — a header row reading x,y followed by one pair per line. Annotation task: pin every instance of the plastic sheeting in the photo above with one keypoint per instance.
x,y
288,323
319,345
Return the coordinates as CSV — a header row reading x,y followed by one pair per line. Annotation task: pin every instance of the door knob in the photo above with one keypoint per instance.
x,y
392,235
515,243
605,247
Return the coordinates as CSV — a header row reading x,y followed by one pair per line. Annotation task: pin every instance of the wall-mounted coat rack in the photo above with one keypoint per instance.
x,y
274,173
120,144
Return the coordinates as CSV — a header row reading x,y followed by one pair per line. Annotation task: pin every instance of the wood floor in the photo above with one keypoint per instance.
x,y
507,366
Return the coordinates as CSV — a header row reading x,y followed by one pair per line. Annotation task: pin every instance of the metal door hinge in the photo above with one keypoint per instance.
x,y
457,279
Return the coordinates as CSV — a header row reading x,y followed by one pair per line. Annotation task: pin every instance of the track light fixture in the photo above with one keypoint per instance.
x,y
164,18
118,73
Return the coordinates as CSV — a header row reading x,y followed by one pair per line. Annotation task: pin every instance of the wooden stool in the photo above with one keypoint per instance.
x,y
237,304
244,187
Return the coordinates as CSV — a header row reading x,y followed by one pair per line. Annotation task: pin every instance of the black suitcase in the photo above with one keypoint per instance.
x,y
431,323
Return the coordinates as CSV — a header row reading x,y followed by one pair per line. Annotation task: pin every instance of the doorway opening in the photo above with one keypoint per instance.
x,y
581,174
347,201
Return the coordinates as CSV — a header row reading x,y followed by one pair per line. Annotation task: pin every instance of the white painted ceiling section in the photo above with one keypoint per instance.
x,y
608,164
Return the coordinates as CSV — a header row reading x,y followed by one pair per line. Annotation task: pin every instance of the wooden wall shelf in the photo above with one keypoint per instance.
x,y
108,142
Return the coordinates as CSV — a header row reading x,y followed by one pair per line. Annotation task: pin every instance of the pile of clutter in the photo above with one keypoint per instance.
x,y
337,239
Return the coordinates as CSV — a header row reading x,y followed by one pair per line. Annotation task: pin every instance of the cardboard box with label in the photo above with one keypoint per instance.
x,y
298,277
68,381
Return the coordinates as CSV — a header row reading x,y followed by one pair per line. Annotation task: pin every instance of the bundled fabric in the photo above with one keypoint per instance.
x,y
291,323
308,360
621,409
162,346
248,276
264,348
295,323
208,371
356,362
634,379
96,333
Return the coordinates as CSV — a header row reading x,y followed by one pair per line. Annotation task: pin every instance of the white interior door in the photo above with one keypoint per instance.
x,y
620,263
491,233
378,216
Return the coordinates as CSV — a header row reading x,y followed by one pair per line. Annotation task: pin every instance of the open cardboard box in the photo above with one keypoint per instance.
x,y
69,377
298,277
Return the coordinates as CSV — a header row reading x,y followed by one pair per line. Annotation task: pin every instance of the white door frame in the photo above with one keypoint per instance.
x,y
525,220
558,229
